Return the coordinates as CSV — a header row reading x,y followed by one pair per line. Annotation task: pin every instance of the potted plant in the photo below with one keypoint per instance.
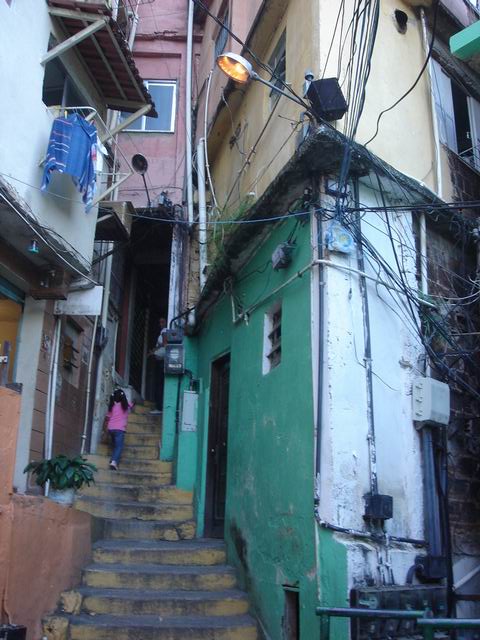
x,y
65,475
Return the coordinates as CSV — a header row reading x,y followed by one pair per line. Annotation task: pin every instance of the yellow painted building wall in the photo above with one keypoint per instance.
x,y
406,135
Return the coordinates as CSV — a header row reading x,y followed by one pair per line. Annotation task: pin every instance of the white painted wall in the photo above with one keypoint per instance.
x,y
395,352
25,122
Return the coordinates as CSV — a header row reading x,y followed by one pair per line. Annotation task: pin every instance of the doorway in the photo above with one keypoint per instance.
x,y
10,318
216,488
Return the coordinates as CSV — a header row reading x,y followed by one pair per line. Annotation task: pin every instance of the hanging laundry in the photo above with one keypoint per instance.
x,y
72,149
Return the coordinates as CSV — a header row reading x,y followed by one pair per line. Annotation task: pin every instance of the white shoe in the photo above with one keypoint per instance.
x,y
155,412
113,465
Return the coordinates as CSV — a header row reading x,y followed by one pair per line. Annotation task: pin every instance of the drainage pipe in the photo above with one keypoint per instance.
x,y
89,386
205,134
320,257
202,211
188,111
52,392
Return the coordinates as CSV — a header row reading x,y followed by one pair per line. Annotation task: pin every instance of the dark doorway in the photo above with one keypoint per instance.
x,y
291,616
217,449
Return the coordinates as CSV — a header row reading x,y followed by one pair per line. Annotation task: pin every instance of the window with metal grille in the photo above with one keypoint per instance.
x,y
272,351
222,36
278,65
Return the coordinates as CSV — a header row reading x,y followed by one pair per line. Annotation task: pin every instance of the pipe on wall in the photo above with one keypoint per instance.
x,y
202,211
52,392
89,387
188,111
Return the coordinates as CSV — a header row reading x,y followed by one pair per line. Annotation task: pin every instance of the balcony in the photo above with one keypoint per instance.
x,y
99,40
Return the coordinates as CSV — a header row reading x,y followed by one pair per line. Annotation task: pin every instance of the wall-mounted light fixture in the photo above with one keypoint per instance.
x,y
33,247
239,69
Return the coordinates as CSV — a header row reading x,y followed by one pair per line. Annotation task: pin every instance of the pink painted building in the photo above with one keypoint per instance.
x,y
160,53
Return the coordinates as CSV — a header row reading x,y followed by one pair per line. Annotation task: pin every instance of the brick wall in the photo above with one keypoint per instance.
x,y
451,251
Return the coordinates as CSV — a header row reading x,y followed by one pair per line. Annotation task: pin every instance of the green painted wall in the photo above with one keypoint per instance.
x,y
270,529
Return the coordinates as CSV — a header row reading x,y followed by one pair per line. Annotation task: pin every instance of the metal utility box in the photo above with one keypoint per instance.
x,y
174,362
189,411
431,401
12,632
415,597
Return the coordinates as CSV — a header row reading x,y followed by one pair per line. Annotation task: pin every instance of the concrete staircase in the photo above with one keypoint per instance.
x,y
150,579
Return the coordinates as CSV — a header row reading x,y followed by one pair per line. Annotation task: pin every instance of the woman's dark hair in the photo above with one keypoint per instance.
x,y
118,396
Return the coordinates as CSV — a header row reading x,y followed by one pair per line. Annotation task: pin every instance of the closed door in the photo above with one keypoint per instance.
x,y
217,449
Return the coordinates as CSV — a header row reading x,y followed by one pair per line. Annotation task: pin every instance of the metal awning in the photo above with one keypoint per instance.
x,y
103,51
114,220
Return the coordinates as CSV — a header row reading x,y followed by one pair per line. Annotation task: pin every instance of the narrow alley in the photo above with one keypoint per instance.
x,y
239,320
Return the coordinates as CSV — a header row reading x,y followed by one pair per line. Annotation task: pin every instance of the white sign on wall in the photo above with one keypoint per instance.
x,y
87,302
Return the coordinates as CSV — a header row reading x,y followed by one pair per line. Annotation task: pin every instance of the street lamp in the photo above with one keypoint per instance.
x,y
239,69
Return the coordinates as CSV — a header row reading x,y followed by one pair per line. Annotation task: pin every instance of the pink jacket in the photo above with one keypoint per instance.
x,y
117,417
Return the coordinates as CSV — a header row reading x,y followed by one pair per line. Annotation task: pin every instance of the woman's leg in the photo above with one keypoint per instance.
x,y
118,438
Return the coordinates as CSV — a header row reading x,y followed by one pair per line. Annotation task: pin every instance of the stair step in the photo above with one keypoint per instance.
x,y
142,439
148,425
132,477
138,510
145,418
205,552
163,577
149,530
135,465
138,492
132,451
230,602
105,627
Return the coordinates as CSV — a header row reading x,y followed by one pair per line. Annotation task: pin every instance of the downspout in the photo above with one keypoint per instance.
x,y
89,387
188,111
202,212
372,447
436,135
103,323
52,389
205,134
321,355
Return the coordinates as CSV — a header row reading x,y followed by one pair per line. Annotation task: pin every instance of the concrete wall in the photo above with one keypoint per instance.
x,y
26,123
344,473
43,546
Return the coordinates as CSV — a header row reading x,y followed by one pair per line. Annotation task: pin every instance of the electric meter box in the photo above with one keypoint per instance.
x,y
431,401
174,363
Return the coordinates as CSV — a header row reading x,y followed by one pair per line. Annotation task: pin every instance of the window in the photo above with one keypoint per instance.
x,y
458,117
222,36
272,342
164,94
278,64
59,88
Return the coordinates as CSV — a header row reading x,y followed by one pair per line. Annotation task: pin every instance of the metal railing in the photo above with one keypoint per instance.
x,y
426,625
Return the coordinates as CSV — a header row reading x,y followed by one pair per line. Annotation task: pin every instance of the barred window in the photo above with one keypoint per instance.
x,y
272,351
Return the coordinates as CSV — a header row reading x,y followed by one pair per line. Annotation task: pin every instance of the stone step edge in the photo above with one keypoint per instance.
x,y
152,621
120,503
159,569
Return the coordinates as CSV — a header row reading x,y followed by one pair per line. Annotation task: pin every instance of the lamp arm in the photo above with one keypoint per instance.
x,y
255,76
